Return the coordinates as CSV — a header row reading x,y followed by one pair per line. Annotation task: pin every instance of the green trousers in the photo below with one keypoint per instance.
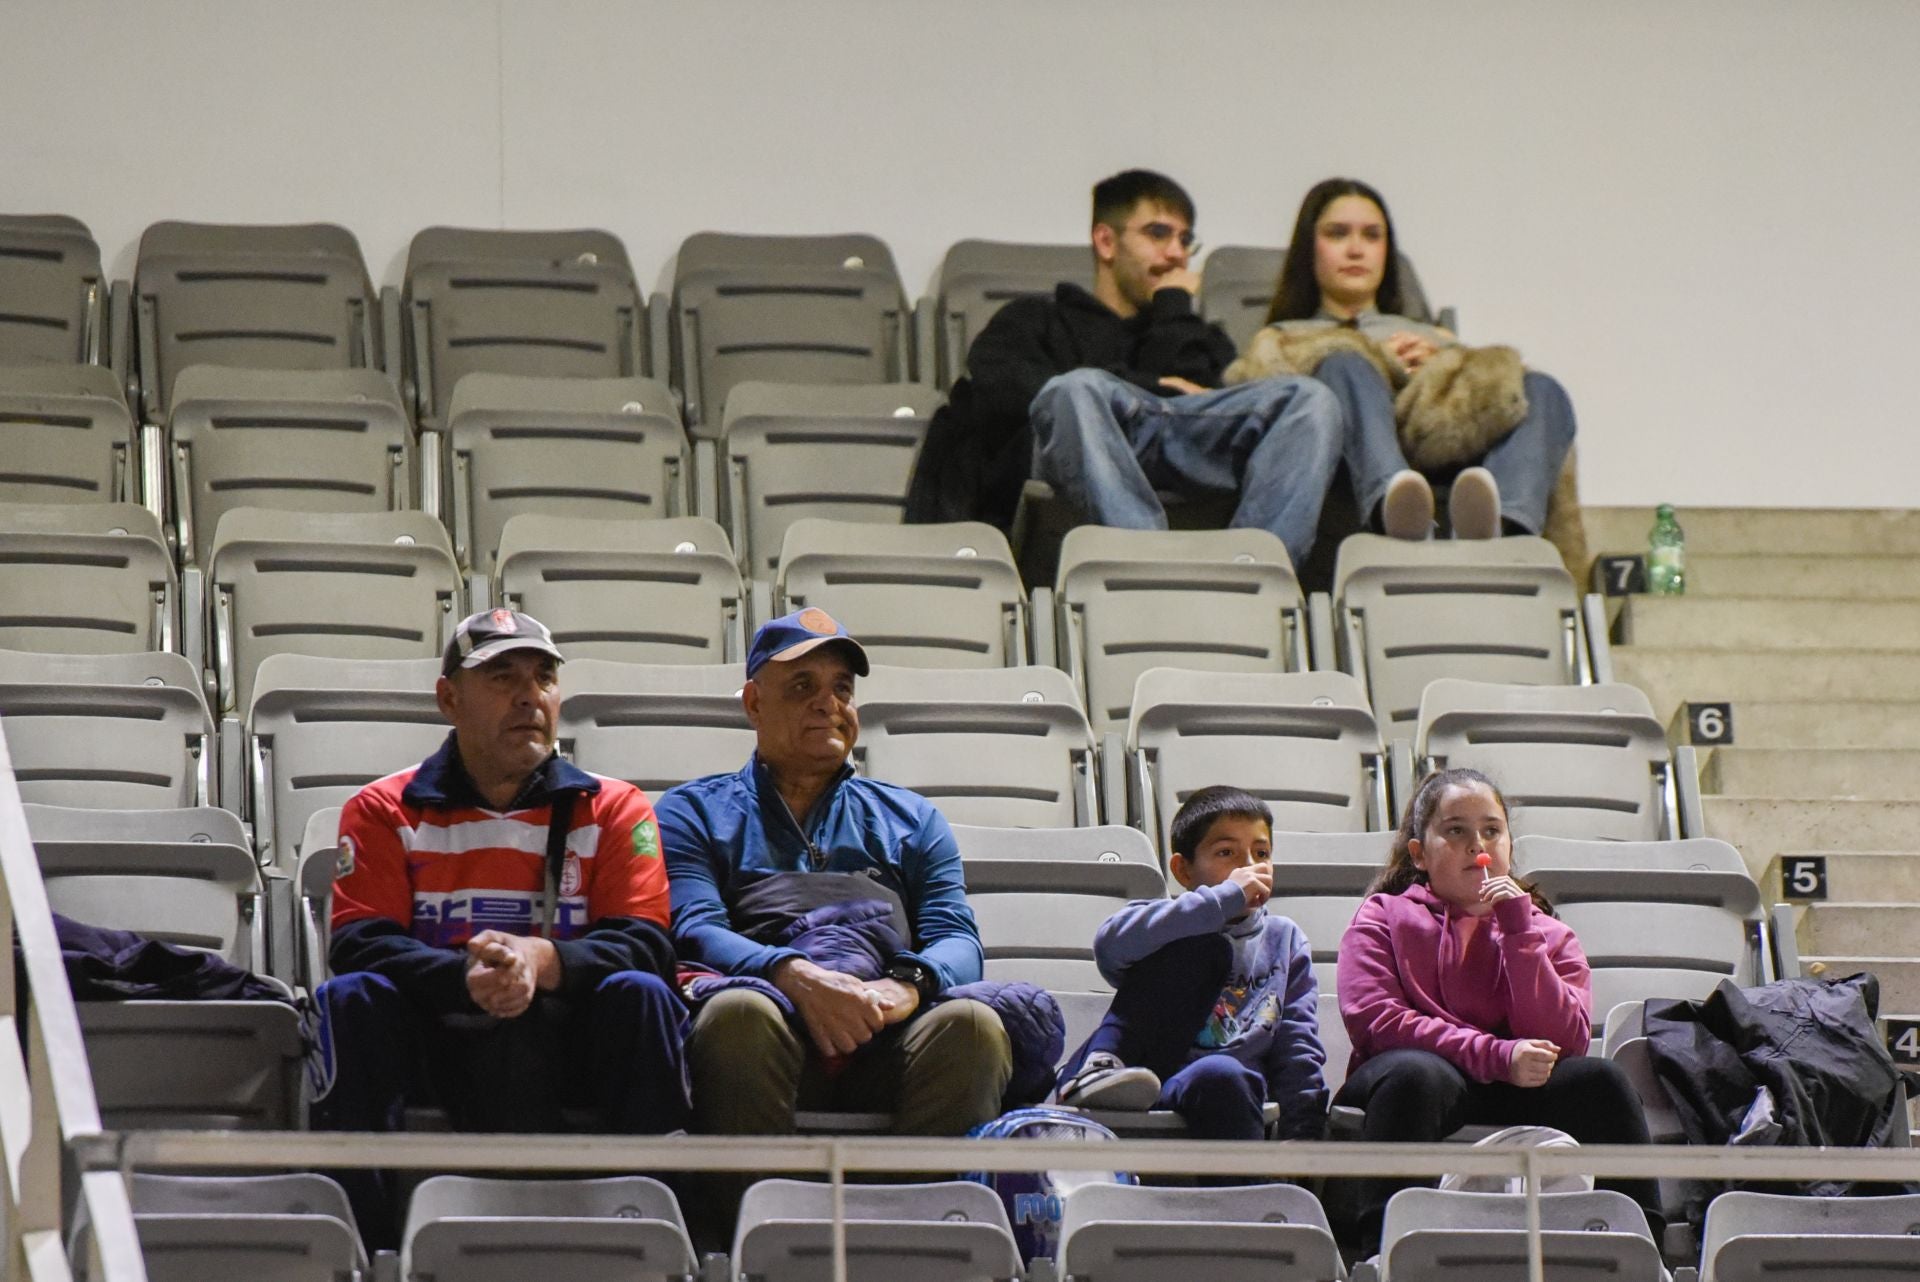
x,y
941,1072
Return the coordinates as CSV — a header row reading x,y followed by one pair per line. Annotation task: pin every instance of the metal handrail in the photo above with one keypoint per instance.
x,y
60,1105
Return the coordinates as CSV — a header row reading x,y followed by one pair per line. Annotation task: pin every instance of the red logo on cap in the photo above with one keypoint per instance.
x,y
814,619
503,621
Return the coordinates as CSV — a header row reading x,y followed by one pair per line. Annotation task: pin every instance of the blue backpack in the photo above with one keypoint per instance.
x,y
1033,1198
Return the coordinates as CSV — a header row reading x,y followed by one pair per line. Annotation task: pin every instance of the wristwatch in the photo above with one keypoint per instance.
x,y
917,974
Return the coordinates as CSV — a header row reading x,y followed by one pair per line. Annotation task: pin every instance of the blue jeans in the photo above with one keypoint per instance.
x,y
620,1049
1111,446
1525,462
1163,1002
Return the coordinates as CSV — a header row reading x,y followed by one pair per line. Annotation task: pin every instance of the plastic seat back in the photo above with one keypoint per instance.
x,y
1572,761
67,433
599,448
127,732
654,725
1502,610
1139,1233
951,1231
378,585
1754,1236
55,293
843,453
1238,283
1005,747
313,440
257,297
495,1230
664,591
784,309
1303,742
922,596
538,304
322,729
92,578
1435,1236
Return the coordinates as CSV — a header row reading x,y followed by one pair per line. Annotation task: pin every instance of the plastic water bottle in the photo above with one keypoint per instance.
x,y
1666,555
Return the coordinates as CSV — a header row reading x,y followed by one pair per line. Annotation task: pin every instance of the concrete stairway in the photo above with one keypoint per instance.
x,y
1808,624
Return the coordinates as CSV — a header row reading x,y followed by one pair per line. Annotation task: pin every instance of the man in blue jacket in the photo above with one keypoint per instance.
x,y
873,1043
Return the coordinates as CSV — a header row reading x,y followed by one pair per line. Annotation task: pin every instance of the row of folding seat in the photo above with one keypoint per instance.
x,y
282,1227
97,579
550,303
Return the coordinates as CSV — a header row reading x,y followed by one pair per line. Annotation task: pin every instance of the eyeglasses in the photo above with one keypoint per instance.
x,y
1161,234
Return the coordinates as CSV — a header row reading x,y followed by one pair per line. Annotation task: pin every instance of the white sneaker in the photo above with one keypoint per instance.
x,y
1406,511
1104,1082
1473,505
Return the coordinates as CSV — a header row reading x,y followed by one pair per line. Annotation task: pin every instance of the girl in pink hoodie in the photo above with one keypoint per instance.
x,y
1466,1000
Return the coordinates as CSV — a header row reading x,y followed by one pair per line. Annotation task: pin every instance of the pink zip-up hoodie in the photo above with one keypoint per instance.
x,y
1405,981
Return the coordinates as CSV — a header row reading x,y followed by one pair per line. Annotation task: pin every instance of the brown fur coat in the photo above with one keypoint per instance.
x,y
1459,404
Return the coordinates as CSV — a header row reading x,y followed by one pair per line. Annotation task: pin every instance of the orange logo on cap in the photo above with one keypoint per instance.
x,y
503,620
814,619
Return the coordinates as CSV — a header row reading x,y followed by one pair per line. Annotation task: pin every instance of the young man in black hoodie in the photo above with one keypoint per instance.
x,y
1120,391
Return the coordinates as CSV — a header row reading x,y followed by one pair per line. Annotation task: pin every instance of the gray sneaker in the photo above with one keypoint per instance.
x,y
1104,1082
1406,511
1473,505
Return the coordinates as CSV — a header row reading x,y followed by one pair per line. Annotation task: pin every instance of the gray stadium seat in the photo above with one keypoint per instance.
x,y
607,448
1751,1237
953,1231
1655,918
661,591
1435,1236
920,596
978,278
91,578
54,308
260,297
1319,880
1254,1233
290,440
68,436
625,1228
273,1228
1215,600
313,898
184,877
1238,283
796,450
654,725
322,729
1572,761
542,304
1003,747
787,309
122,732
1038,895
1303,742
1484,609
375,585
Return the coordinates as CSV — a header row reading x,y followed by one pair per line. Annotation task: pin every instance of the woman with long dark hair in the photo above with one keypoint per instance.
x,y
1342,269
1466,1000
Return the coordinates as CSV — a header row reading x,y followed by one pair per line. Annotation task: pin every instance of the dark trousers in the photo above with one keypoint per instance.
x,y
1163,1002
1414,1096
618,1051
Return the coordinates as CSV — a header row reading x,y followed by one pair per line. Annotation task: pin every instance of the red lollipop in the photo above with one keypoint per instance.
x,y
1483,860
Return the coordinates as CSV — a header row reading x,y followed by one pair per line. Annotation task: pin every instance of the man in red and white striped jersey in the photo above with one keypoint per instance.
x,y
499,921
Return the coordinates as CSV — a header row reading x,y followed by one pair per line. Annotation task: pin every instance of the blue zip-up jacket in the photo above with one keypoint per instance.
x,y
717,828
1267,1016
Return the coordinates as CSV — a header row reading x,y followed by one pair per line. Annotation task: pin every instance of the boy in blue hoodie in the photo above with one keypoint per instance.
x,y
1214,1012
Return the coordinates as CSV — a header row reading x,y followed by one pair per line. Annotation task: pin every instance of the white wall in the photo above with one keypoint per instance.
x,y
1701,215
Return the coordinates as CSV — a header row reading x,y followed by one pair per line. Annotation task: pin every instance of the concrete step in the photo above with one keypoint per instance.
x,y
1837,929
1860,876
1806,577
1811,724
1671,677
1889,774
1751,531
1899,978
1765,828
1769,623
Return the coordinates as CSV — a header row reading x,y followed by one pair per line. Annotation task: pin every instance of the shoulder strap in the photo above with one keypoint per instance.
x,y
559,824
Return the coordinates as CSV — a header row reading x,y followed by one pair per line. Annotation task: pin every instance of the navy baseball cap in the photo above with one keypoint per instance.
x,y
792,635
481,636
